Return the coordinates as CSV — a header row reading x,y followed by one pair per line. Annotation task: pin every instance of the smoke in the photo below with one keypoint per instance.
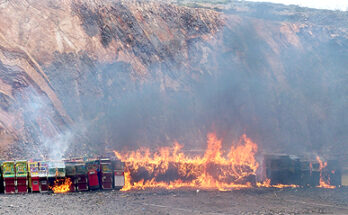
x,y
264,86
283,87
46,136
58,145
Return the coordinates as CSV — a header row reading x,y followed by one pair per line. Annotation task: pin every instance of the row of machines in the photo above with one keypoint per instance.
x,y
41,176
288,169
14,176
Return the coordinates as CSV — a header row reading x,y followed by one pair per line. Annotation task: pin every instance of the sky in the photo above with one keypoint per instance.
x,y
319,4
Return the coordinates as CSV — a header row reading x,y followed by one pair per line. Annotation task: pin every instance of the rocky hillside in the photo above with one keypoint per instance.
x,y
90,76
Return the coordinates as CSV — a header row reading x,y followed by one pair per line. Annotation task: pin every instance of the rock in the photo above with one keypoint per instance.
x,y
93,76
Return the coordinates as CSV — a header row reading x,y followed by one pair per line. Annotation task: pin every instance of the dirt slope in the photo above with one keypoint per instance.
x,y
98,75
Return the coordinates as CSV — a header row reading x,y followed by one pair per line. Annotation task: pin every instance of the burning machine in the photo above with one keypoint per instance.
x,y
77,172
283,169
56,170
118,168
70,168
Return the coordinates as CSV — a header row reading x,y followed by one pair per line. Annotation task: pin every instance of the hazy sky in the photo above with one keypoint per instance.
x,y
320,4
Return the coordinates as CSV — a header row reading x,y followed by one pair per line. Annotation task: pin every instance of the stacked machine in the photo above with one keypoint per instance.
x,y
77,172
291,170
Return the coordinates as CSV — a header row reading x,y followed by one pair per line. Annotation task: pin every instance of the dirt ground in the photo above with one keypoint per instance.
x,y
247,201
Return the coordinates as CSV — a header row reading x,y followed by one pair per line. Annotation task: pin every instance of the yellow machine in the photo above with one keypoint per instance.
x,y
34,179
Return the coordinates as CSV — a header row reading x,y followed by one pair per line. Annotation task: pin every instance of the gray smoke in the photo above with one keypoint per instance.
x,y
286,98
45,137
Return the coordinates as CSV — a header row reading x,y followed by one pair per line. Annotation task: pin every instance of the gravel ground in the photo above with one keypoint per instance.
x,y
247,201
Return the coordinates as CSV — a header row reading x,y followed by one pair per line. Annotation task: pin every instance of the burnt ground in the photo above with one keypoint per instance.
x,y
249,201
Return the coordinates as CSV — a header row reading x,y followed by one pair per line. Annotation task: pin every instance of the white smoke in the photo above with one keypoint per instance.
x,y
58,145
50,137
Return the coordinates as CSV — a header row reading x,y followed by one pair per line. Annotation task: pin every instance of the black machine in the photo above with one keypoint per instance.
x,y
1,180
291,170
283,169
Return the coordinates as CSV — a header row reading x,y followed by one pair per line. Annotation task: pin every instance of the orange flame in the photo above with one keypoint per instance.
x,y
322,182
267,183
170,168
285,186
61,185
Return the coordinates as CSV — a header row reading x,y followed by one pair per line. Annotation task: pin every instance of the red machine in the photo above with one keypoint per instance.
x,y
43,180
21,176
93,174
106,174
34,179
9,174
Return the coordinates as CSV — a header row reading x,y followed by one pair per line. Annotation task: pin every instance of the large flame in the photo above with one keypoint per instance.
x,y
322,182
61,185
170,168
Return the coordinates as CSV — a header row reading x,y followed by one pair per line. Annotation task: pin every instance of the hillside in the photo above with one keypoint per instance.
x,y
92,76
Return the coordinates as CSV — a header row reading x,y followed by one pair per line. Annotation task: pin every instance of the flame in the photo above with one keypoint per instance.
x,y
267,183
61,185
285,186
322,182
170,168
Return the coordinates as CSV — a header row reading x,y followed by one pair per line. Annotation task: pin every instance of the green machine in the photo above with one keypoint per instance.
x,y
21,176
9,176
81,176
56,170
70,172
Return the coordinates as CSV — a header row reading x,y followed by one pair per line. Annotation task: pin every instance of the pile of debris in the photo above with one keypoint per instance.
x,y
289,169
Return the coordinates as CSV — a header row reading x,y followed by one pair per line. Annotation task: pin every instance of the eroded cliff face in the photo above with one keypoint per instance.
x,y
91,76
62,63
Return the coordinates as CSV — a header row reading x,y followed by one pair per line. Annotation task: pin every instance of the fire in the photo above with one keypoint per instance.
x,y
267,183
285,186
170,168
61,185
322,182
